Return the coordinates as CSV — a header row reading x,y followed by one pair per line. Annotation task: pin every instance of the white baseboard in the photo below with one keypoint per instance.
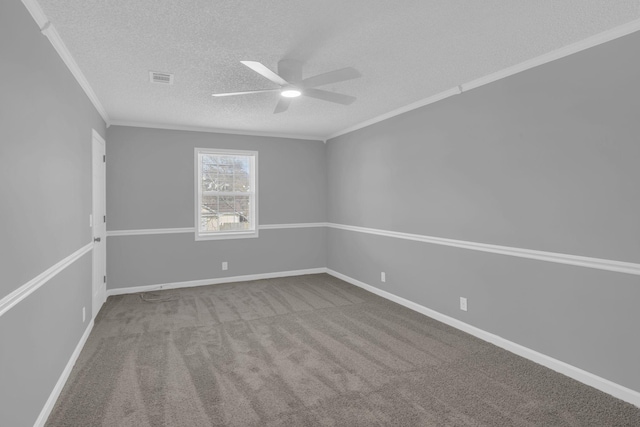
x,y
602,384
51,401
205,282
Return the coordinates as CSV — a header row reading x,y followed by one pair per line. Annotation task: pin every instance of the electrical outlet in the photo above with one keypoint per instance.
x,y
225,265
84,313
383,277
463,304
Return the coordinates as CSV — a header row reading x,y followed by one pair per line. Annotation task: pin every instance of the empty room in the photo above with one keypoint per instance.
x,y
319,213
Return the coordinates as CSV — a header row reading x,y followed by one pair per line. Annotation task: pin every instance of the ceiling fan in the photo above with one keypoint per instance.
x,y
292,85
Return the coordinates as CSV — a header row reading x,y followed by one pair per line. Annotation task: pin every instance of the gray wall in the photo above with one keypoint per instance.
x,y
543,160
150,184
546,159
45,202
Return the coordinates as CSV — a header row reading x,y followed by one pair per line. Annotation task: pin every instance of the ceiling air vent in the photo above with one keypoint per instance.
x,y
161,78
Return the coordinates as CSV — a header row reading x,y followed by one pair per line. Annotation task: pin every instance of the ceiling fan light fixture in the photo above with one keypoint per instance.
x,y
291,93
308,87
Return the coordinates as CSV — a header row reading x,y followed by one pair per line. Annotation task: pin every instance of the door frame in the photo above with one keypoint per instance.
x,y
98,223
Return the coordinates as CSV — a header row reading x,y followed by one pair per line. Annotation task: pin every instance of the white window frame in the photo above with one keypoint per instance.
x,y
253,214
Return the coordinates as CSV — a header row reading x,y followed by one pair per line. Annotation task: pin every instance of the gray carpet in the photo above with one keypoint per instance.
x,y
306,351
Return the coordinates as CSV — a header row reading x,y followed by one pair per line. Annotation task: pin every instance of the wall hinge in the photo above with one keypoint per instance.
x,y
104,158
104,218
105,279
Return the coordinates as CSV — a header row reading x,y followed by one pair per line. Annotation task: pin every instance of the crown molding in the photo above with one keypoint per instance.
x,y
47,28
589,42
36,12
415,105
52,34
165,126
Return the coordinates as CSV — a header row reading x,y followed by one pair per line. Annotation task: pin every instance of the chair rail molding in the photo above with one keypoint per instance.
x,y
32,285
560,258
577,260
146,231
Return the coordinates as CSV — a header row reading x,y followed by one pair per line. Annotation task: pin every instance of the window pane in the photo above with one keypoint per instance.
x,y
241,176
232,214
226,173
209,214
242,208
208,181
223,182
209,164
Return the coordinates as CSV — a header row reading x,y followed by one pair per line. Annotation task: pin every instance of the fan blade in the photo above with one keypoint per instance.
x,y
329,96
290,70
282,105
246,92
332,77
265,72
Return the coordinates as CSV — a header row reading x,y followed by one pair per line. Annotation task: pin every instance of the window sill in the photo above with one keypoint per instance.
x,y
226,236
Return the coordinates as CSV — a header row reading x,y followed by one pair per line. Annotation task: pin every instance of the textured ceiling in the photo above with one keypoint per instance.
x,y
405,50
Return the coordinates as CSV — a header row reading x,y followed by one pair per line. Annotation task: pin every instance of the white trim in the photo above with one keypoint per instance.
x,y
52,34
576,47
167,126
146,231
581,261
36,12
47,29
140,232
252,193
32,285
205,282
578,374
215,235
413,106
298,225
602,384
589,42
98,227
51,401
577,260
95,134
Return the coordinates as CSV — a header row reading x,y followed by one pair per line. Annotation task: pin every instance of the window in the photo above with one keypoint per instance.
x,y
226,194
